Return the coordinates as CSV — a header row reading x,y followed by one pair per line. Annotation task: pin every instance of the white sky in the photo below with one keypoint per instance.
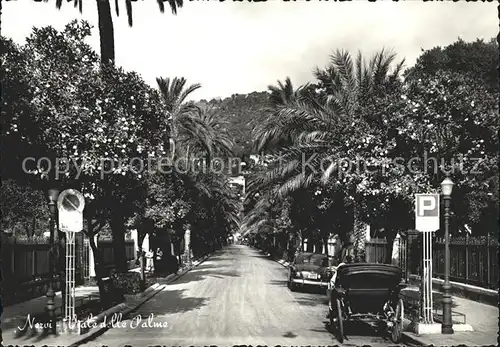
x,y
242,47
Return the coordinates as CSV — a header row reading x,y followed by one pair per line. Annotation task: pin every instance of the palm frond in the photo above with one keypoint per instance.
x,y
128,5
161,6
174,5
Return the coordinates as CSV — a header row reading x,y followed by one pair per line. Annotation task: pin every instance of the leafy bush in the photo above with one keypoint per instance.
x,y
128,283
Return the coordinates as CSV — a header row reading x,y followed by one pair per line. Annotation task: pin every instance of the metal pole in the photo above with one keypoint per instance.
x,y
50,307
488,260
447,325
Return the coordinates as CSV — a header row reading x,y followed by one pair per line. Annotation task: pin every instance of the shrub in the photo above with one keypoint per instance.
x,y
128,283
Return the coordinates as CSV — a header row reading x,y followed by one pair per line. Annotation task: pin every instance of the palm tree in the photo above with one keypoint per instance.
x,y
319,127
200,132
280,96
195,129
283,93
174,94
106,31
203,132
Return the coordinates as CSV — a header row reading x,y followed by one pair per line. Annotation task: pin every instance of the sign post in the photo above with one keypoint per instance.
x,y
427,221
70,204
187,245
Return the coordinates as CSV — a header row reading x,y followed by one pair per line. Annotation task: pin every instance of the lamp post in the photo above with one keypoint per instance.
x,y
52,195
447,324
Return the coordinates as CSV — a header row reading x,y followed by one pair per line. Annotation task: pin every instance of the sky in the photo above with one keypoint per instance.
x,y
240,47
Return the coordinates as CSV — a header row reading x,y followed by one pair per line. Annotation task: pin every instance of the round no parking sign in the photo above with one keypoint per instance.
x,y
70,204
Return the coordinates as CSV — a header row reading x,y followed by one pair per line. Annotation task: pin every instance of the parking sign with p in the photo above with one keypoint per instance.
x,y
426,212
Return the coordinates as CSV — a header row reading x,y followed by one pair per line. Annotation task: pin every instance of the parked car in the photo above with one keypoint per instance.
x,y
309,269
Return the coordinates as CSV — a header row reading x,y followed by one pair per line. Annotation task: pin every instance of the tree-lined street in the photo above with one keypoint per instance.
x,y
277,187
237,296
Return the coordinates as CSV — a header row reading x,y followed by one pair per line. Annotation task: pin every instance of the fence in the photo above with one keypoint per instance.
x,y
26,265
107,252
473,260
376,250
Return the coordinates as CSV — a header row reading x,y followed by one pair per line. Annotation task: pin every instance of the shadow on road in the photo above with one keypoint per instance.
x,y
312,290
312,301
280,283
198,274
354,329
168,302
260,255
290,334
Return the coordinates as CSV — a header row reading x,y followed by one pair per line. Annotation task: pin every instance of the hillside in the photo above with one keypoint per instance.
x,y
242,112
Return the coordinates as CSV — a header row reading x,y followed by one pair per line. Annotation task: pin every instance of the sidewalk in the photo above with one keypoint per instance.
x,y
483,318
15,316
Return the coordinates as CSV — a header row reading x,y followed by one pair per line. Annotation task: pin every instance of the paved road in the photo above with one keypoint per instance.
x,y
237,296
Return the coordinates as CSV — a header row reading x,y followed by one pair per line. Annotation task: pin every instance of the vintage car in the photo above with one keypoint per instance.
x,y
309,269
369,293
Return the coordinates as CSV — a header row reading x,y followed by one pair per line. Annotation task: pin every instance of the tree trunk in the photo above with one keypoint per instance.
x,y
359,229
61,261
310,245
117,225
390,236
106,32
33,232
318,247
98,261
155,261
325,243
142,232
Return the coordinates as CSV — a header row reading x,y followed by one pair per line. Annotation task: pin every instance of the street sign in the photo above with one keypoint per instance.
x,y
426,212
70,204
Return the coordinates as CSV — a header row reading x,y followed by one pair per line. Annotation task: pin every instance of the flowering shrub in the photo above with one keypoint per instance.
x,y
128,283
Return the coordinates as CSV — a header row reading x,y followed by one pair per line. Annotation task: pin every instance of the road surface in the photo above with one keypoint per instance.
x,y
236,297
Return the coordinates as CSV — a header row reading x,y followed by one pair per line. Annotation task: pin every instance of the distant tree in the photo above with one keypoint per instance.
x,y
478,58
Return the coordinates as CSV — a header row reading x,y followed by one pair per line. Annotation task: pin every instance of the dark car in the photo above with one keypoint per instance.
x,y
309,269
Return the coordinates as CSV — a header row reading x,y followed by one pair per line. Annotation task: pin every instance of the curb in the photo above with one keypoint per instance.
x,y
196,263
412,339
122,308
131,307
279,261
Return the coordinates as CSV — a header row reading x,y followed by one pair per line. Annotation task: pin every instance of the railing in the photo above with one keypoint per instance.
x,y
25,265
107,251
376,250
473,260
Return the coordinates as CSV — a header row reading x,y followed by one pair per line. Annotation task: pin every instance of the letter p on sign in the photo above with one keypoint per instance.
x,y
426,212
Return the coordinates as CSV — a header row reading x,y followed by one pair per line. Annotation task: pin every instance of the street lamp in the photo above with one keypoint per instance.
x,y
52,195
447,325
